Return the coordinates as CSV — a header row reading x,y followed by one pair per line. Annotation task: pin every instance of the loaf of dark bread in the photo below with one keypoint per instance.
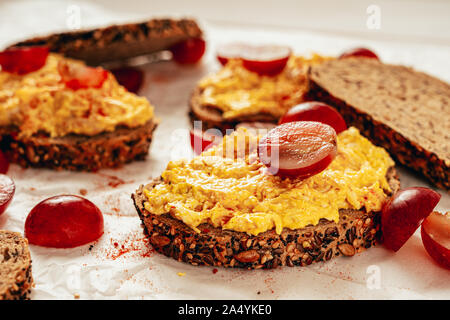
x,y
355,231
78,152
402,110
16,279
117,42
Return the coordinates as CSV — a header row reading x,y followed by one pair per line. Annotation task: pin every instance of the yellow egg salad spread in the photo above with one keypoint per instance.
x,y
229,188
40,102
238,92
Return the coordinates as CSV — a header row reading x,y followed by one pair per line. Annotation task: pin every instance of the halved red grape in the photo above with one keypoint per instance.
x,y
129,77
359,52
203,140
315,111
188,51
64,221
403,214
298,149
4,163
23,60
231,51
435,233
7,189
266,60
80,77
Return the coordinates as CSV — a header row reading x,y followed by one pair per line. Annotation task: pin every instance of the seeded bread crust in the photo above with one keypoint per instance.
x,y
16,279
356,231
211,116
78,152
118,42
402,110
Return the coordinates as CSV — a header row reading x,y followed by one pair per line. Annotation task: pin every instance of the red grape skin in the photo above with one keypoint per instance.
x,y
315,111
435,232
266,60
403,213
64,221
359,52
189,51
230,51
23,60
130,78
203,140
298,149
80,77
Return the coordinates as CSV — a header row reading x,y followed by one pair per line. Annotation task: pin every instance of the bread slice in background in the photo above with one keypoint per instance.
x,y
355,231
16,279
402,110
118,42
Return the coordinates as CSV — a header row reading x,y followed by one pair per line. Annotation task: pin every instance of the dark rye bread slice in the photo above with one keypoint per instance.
x,y
355,231
16,279
211,116
405,111
118,42
78,152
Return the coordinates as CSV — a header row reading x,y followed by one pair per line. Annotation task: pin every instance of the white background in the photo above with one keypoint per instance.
x,y
415,33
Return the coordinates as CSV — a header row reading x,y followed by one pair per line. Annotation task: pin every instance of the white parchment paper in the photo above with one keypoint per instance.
x,y
121,265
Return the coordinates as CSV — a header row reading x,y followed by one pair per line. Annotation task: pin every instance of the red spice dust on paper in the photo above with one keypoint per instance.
x,y
114,181
135,245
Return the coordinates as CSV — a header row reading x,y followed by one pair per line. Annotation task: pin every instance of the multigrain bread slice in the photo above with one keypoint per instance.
x,y
78,152
355,231
405,111
16,279
118,42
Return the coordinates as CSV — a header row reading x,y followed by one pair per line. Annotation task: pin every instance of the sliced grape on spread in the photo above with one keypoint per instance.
x,y
298,149
23,60
265,60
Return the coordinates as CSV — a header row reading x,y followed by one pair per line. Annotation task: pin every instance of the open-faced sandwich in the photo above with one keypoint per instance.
x,y
58,113
297,195
260,85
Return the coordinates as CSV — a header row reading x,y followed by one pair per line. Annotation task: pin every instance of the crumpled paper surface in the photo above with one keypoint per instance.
x,y
121,265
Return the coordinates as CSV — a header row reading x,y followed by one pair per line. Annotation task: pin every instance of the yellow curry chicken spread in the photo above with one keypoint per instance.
x,y
229,188
40,102
238,92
